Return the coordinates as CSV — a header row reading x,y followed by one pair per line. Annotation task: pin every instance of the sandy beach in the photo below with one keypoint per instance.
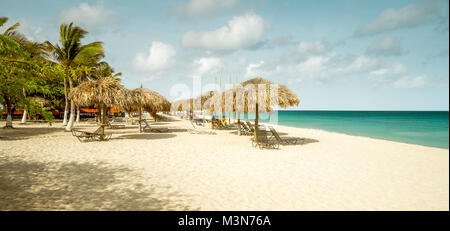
x,y
45,168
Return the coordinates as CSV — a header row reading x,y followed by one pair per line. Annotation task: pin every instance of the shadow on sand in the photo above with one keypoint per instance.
x,y
23,133
146,136
303,141
76,186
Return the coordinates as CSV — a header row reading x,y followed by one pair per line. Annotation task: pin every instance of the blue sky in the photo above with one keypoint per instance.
x,y
336,55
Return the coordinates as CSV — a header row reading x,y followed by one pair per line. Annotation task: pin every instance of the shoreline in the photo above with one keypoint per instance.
x,y
369,137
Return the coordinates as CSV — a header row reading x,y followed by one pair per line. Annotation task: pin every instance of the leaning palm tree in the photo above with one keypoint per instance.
x,y
72,54
105,93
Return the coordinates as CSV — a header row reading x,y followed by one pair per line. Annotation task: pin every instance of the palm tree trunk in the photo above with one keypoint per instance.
x,y
24,116
72,110
66,106
9,123
78,115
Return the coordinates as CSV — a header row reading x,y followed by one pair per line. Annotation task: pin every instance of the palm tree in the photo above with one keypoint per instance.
x,y
71,54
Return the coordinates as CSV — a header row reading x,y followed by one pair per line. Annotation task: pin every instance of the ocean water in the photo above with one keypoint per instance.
x,y
429,128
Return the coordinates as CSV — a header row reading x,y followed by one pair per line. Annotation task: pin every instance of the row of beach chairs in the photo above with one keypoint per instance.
x,y
266,139
85,136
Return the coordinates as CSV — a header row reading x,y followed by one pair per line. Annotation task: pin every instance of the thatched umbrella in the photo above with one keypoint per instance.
x,y
200,102
245,97
183,105
203,101
150,101
104,93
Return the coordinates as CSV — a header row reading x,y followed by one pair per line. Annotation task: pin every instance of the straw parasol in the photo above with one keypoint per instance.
x,y
201,102
245,97
150,101
183,105
104,93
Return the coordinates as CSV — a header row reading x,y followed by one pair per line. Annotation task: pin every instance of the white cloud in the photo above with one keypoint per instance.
x,y
207,65
362,64
241,32
261,70
312,48
406,17
396,68
388,46
89,17
203,8
410,82
313,65
33,33
160,56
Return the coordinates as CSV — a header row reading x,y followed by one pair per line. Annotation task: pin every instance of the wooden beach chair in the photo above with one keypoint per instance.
x,y
284,140
250,126
148,128
114,126
245,130
203,131
84,136
250,129
264,141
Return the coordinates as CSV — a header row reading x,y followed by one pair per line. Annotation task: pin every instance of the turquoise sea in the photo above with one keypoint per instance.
x,y
430,128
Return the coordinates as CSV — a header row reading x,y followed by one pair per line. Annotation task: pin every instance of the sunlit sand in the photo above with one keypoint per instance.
x,y
45,168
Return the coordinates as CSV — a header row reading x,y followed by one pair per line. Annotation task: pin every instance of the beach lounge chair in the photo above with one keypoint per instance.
x,y
245,130
148,128
249,127
114,126
284,140
264,141
84,136
197,130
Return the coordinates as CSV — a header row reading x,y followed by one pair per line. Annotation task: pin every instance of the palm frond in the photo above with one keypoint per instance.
x,y
3,20
12,28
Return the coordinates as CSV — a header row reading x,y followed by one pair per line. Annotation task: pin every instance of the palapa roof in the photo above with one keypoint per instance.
x,y
149,100
243,97
105,91
201,102
182,105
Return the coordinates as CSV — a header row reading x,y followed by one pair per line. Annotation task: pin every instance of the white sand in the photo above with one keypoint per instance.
x,y
52,170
